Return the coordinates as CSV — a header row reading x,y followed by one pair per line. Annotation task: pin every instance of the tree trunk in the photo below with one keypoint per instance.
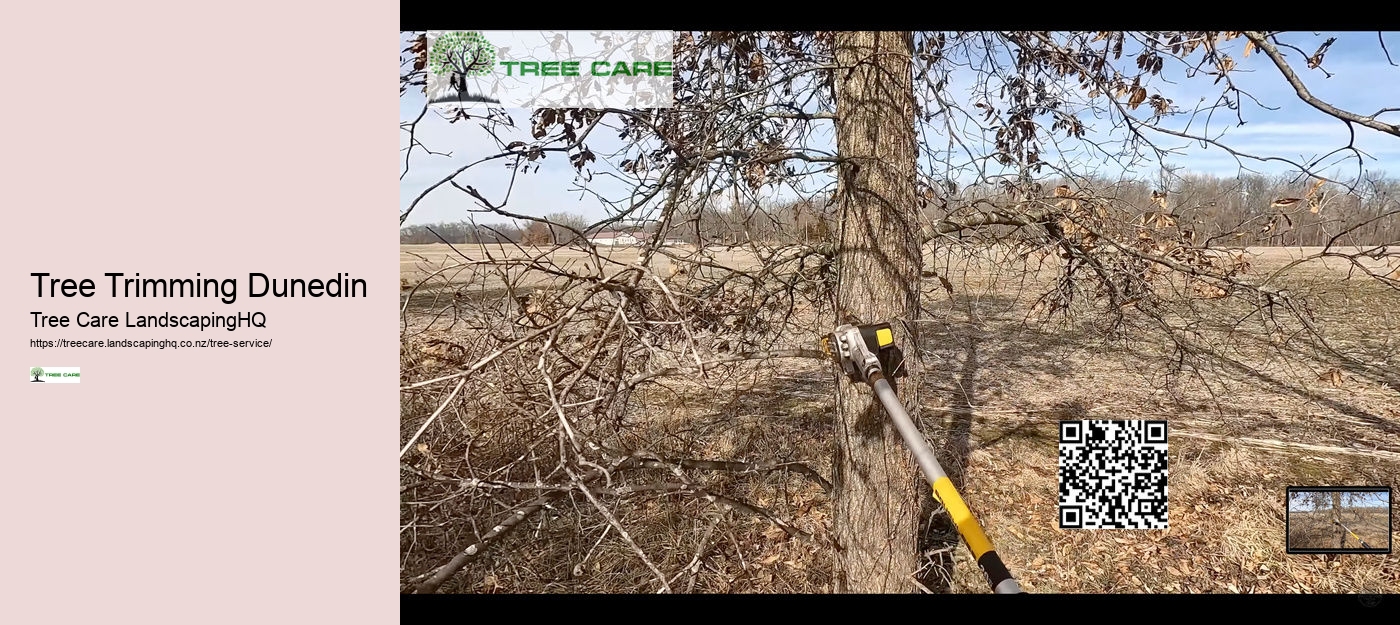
x,y
875,509
1337,520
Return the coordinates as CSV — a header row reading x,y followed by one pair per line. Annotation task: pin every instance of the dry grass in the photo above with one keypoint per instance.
x,y
1316,530
993,388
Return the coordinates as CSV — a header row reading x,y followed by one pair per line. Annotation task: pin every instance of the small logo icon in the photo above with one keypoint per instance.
x,y
459,55
1370,601
52,375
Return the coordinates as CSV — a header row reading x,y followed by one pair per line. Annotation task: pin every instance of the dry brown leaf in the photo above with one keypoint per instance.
x,y
1205,290
1226,64
1331,376
756,67
1068,227
770,559
1316,185
1138,97
1248,47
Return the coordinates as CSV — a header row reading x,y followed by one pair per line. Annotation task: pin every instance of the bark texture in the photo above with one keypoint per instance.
x,y
876,504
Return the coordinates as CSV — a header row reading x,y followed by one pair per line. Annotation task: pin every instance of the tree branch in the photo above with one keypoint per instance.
x,y
430,582
998,217
735,467
1269,49
796,352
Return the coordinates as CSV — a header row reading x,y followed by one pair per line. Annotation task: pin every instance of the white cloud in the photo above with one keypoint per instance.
x,y
1287,128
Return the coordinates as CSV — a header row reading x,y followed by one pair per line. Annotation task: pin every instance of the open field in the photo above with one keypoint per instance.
x,y
992,387
421,259
464,266
1315,529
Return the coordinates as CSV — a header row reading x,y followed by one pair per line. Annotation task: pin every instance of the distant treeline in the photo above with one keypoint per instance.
x,y
525,233
459,233
1211,206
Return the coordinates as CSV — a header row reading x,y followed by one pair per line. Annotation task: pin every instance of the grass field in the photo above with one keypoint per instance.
x,y
993,389
422,259
1315,529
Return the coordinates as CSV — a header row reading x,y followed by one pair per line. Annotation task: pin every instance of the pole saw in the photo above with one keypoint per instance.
x,y
1353,534
865,353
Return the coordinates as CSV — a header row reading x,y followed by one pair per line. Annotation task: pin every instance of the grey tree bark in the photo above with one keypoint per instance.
x,y
1337,519
875,511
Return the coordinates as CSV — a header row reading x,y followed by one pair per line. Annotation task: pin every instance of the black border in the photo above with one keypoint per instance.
x,y
1389,518
417,16
714,15
666,608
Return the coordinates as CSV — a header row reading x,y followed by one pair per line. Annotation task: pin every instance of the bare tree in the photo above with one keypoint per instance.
x,y
565,228
1337,518
880,258
529,395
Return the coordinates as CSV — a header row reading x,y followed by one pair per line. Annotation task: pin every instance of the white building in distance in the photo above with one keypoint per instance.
x,y
607,238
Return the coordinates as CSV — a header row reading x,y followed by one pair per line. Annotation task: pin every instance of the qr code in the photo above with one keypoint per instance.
x,y
1113,474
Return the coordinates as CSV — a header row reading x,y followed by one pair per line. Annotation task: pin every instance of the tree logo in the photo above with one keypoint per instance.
x,y
463,69
55,375
459,55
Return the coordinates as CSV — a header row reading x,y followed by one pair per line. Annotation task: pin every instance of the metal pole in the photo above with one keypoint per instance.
x,y
855,349
1353,535
943,490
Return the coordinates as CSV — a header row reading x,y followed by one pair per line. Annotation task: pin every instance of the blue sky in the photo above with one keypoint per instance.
x,y
1362,82
1380,498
